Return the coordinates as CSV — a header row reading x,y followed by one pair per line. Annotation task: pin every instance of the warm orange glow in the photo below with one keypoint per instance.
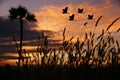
x,y
10,62
10,54
29,47
51,18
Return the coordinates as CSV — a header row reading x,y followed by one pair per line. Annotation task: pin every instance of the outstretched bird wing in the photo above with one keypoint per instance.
x,y
90,17
71,17
65,10
80,10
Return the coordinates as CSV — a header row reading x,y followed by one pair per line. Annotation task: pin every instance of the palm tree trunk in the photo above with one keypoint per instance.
x,y
21,39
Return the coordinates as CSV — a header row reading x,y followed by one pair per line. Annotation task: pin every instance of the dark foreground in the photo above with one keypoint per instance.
x,y
60,73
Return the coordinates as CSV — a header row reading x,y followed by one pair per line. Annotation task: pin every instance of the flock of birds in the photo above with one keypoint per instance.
x,y
65,11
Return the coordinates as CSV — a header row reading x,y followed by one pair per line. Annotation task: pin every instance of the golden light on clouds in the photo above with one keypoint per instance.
x,y
8,59
51,18
30,47
107,4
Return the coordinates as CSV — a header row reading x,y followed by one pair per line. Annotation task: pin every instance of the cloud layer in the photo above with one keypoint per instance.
x,y
51,21
11,28
51,17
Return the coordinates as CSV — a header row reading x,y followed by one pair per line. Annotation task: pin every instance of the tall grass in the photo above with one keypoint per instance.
x,y
95,51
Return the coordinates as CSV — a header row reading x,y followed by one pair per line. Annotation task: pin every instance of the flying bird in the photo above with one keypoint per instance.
x,y
65,10
71,17
85,23
90,17
80,10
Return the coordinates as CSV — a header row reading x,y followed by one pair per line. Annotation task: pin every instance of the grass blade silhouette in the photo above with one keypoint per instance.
x,y
112,23
118,30
98,21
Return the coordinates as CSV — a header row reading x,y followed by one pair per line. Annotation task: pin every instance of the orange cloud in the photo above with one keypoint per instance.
x,y
107,4
51,18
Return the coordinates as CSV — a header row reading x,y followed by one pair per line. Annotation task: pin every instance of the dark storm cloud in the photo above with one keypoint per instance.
x,y
11,28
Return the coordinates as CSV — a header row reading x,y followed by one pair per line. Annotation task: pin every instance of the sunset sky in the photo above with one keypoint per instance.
x,y
51,21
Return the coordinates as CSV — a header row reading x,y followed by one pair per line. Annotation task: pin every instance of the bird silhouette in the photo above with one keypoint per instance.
x,y
90,17
71,17
65,10
80,10
85,23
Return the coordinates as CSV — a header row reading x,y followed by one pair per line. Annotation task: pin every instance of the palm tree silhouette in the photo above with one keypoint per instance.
x,y
21,14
